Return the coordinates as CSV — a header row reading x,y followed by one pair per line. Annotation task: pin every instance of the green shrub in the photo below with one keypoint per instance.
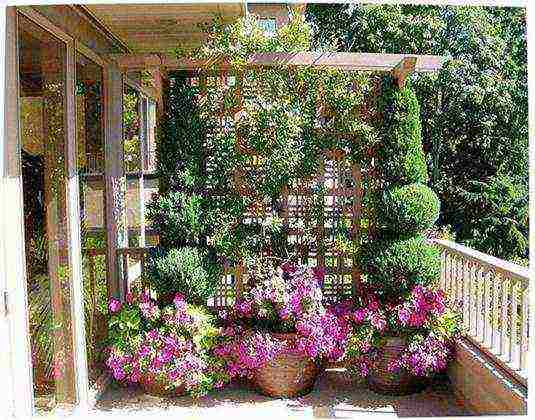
x,y
178,217
395,266
410,209
191,271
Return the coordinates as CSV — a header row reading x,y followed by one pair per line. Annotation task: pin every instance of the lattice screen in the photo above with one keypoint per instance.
x,y
344,184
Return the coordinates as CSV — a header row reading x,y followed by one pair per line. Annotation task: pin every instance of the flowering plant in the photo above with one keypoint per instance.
x,y
421,318
170,345
280,300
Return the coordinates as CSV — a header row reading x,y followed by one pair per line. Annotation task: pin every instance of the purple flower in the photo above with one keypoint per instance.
x,y
378,321
244,308
153,335
179,301
114,306
119,373
144,350
360,315
149,310
284,313
404,315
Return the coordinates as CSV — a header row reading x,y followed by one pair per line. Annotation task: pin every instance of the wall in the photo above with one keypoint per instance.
x,y
485,389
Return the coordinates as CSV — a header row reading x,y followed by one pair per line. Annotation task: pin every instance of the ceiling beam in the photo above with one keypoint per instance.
x,y
84,12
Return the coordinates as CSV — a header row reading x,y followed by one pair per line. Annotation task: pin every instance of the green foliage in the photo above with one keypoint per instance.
x,y
131,141
245,36
400,153
502,225
194,272
402,259
278,137
394,266
410,209
182,213
178,217
124,327
180,144
474,111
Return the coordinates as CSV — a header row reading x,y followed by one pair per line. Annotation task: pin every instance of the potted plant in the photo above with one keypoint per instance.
x,y
167,350
279,332
402,330
398,346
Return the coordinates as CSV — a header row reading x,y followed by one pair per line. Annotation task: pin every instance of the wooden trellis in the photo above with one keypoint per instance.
x,y
343,184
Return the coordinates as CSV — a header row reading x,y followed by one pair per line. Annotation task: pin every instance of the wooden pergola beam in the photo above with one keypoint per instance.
x,y
400,64
404,69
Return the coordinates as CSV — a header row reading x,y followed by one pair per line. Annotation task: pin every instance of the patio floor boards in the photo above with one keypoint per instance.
x,y
336,395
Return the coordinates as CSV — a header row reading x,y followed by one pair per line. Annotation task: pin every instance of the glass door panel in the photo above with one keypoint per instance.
x,y
90,141
42,87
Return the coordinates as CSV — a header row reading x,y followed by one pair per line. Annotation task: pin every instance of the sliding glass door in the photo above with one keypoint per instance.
x,y
41,156
42,110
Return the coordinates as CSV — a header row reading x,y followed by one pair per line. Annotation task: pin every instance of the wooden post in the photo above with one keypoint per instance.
x,y
143,109
115,177
403,69
355,231
157,74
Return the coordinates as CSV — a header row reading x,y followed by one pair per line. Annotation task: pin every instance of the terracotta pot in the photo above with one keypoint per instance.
x,y
288,375
153,386
382,381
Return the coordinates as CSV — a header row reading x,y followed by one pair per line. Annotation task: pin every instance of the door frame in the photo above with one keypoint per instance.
x,y
6,404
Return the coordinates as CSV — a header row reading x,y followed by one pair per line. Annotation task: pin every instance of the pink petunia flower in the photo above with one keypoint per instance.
x,y
114,306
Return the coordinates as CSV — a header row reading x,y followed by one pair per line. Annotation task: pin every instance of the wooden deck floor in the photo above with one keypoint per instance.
x,y
336,395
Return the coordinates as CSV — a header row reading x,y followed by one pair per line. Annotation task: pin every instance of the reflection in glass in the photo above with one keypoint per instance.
x,y
47,235
90,141
151,137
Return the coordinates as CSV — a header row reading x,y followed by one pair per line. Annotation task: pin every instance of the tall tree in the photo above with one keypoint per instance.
x,y
474,111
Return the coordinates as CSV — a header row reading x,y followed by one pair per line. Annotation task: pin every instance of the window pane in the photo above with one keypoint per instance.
x,y
44,176
131,130
90,139
149,191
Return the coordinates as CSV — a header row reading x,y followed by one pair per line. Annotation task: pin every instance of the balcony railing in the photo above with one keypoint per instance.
x,y
492,298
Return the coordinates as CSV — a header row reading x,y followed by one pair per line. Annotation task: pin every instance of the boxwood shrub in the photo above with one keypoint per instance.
x,y
410,208
401,156
194,272
394,266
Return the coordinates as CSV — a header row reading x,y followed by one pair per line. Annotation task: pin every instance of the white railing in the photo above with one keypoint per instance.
x,y
492,298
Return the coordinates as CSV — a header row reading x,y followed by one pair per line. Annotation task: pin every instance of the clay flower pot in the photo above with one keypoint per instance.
x,y
288,375
156,387
382,381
